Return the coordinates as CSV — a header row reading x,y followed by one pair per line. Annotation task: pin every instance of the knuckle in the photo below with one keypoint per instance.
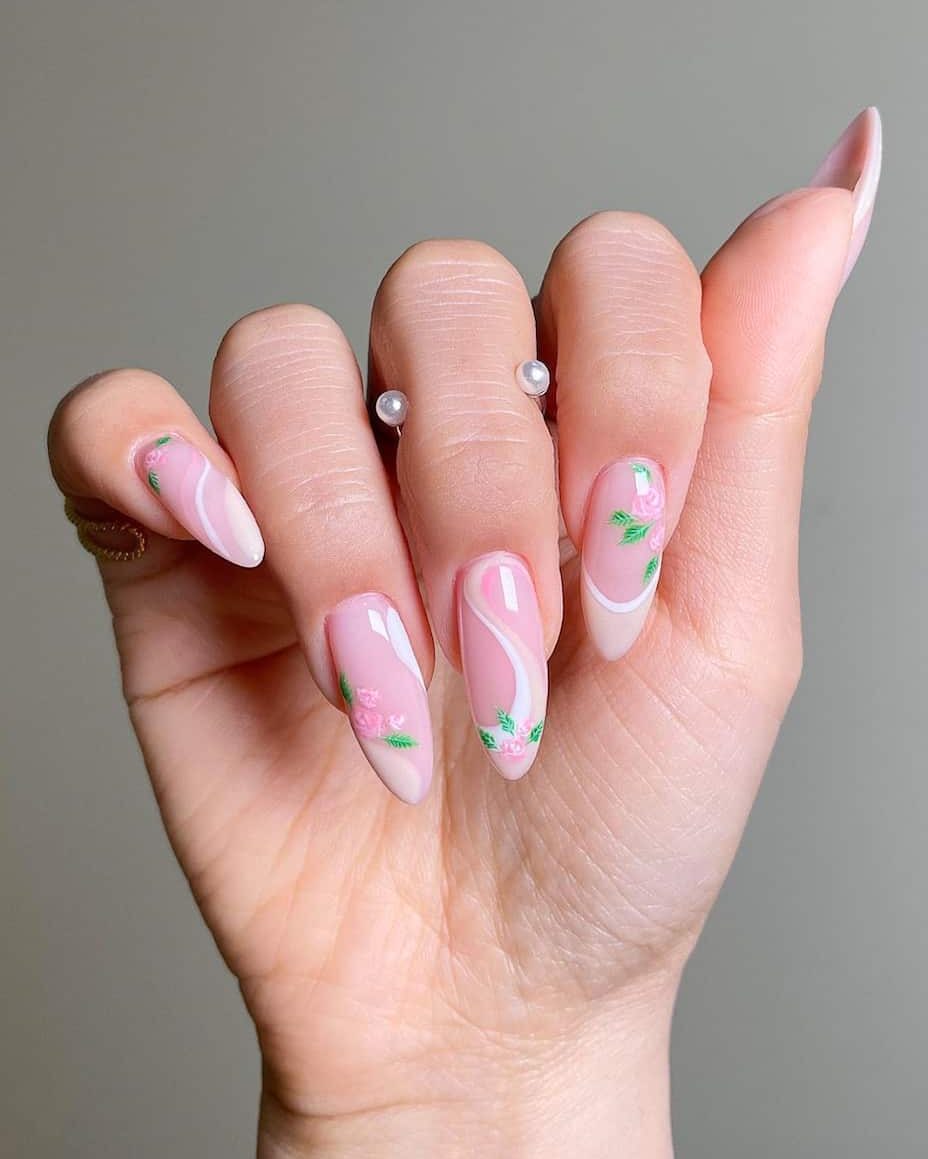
x,y
632,286
632,238
89,409
83,402
275,347
630,371
447,269
490,468
261,335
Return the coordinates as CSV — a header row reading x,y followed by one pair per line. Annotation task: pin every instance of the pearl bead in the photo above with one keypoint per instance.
x,y
392,407
534,378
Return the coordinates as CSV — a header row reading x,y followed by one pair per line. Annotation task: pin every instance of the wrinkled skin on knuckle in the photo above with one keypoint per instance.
x,y
436,267
490,468
448,301
94,401
271,353
622,248
638,296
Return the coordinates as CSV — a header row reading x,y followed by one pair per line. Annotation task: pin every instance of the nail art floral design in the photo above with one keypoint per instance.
x,y
502,651
368,721
201,498
151,460
383,692
518,738
645,520
622,546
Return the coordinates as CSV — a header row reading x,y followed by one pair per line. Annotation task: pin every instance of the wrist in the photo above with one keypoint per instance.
x,y
601,1089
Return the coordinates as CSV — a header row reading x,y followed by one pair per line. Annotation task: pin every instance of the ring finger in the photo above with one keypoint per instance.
x,y
451,324
619,313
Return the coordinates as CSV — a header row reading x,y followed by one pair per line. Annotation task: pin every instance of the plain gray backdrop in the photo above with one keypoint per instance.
x,y
168,167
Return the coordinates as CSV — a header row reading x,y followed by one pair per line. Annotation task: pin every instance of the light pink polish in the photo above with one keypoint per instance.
x,y
383,691
202,499
503,657
854,163
623,539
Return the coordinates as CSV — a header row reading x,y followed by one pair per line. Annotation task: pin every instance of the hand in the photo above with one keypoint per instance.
x,y
493,971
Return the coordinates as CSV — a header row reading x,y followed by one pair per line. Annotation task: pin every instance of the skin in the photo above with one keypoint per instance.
x,y
482,972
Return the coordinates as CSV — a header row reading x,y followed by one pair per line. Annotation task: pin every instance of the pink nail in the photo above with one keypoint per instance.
x,y
622,544
384,693
202,499
503,657
854,164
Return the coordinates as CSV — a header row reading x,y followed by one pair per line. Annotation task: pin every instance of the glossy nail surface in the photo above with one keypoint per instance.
x,y
202,499
503,657
854,163
383,692
622,544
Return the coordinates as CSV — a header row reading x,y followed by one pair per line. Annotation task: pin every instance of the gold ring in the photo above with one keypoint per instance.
x,y
86,528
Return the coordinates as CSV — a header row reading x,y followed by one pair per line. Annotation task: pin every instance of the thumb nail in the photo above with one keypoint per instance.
x,y
853,163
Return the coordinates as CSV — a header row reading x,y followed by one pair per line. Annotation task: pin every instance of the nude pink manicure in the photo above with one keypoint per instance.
x,y
622,544
503,657
202,499
384,693
854,163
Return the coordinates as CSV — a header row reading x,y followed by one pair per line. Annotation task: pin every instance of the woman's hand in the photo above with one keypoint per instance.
x,y
492,972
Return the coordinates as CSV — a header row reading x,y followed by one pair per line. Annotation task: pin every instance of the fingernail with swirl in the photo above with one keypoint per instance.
x,y
383,692
503,657
201,499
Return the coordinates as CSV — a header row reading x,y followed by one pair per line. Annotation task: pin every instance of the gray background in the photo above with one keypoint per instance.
x,y
168,167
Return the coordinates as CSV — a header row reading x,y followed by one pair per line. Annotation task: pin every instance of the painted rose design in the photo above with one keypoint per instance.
x,y
514,739
366,719
644,521
650,505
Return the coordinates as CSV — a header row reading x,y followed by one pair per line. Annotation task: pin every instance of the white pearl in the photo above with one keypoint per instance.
x,y
392,407
534,378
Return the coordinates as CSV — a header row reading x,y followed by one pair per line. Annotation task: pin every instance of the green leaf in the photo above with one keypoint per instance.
x,y
400,740
506,723
489,740
621,518
641,469
651,568
346,689
154,482
635,532
164,439
535,735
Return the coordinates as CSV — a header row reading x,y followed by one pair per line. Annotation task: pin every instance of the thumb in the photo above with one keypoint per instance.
x,y
768,295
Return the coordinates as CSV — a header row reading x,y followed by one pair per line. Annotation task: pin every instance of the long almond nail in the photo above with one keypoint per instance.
x,y
202,499
503,657
854,163
384,693
622,544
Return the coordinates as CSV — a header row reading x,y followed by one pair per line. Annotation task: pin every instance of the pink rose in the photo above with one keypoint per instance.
x,y
154,457
656,538
513,748
369,697
396,720
649,505
524,729
367,722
